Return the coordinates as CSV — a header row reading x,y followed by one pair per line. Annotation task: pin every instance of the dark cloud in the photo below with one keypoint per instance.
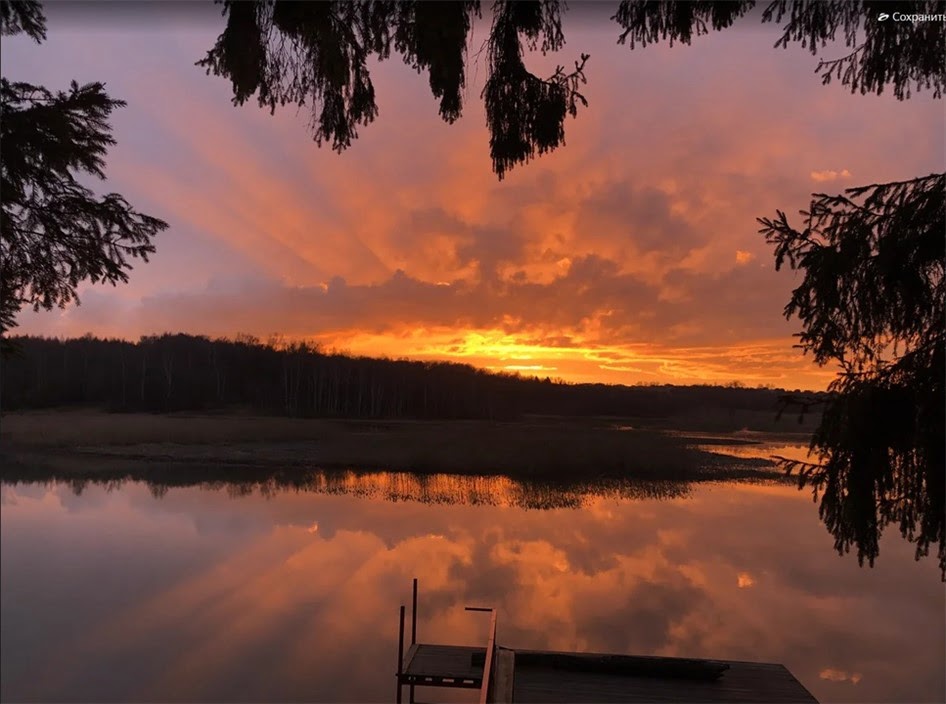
x,y
640,620
640,216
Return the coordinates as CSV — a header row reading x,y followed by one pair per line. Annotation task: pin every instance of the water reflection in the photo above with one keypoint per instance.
x,y
761,449
270,594
472,490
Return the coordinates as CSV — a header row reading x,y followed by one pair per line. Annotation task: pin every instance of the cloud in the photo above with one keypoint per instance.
x,y
655,606
829,175
743,257
834,675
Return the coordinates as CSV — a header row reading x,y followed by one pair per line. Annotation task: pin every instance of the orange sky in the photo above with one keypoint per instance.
x,y
629,255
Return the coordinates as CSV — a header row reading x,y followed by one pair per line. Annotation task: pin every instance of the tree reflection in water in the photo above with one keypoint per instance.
x,y
471,490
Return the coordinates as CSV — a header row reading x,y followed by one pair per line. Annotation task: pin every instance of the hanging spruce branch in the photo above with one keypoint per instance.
x,y
317,55
526,114
872,300
652,21
55,232
907,56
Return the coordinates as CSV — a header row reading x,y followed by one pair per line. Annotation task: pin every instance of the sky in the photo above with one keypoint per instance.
x,y
630,255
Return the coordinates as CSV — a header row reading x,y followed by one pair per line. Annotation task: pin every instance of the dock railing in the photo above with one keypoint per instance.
x,y
420,666
400,642
489,662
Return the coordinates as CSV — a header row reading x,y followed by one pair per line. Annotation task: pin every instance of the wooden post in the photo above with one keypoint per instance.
x,y
485,690
414,615
410,692
400,654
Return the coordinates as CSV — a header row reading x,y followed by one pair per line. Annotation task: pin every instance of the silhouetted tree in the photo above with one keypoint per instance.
x,y
287,52
872,300
184,372
908,56
317,53
55,231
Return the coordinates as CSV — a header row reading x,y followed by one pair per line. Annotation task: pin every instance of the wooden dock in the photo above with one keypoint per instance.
x,y
431,665
506,675
739,682
444,666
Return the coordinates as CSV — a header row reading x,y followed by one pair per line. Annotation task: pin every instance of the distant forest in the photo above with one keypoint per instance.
x,y
180,372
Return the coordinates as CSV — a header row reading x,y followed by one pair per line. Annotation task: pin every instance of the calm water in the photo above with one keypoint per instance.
x,y
203,594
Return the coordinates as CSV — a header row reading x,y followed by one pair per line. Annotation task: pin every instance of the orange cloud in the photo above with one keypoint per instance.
x,y
744,580
743,257
834,675
829,175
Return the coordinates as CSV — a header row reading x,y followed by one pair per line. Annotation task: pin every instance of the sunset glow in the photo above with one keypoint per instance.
x,y
630,255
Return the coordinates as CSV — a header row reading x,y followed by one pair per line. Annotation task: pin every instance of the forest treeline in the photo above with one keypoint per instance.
x,y
194,373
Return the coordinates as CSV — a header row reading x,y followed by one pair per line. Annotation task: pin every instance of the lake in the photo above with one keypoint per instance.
x,y
129,592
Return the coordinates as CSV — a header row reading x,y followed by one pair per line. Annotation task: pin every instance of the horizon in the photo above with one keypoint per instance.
x,y
629,255
280,343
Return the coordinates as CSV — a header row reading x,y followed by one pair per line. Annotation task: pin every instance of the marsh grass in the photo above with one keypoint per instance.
x,y
547,450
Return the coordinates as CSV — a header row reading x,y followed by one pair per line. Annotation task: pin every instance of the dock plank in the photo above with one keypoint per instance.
x,y
504,678
742,682
445,662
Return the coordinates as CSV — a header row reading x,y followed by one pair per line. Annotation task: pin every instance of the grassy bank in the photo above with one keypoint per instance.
x,y
546,449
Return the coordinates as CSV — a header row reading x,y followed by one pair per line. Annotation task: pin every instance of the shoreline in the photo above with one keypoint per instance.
x,y
86,443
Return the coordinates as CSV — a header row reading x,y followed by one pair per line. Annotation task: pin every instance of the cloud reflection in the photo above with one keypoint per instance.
x,y
277,612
